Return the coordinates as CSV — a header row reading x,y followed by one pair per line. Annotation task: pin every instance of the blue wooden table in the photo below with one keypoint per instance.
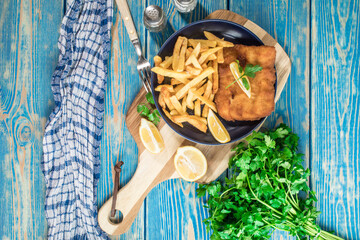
x,y
320,102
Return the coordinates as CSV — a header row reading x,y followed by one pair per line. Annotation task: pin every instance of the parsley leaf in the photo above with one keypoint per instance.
x,y
151,114
149,98
250,70
245,83
143,110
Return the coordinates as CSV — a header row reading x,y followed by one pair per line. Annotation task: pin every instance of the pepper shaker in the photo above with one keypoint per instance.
x,y
154,18
185,6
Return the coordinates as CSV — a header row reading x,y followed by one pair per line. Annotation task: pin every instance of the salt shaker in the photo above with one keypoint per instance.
x,y
185,6
154,18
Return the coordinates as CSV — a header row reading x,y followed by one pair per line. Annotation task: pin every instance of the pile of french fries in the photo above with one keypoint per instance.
x,y
188,80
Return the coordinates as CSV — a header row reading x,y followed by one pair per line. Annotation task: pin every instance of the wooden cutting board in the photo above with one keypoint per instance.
x,y
155,168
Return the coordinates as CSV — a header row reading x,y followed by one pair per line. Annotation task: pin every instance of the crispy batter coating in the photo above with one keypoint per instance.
x,y
232,103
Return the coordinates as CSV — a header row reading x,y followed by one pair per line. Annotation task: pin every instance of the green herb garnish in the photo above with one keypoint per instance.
x,y
249,71
245,83
263,191
151,114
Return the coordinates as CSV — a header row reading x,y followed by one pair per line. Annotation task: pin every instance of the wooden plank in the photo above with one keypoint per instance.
x,y
122,86
288,23
28,42
172,209
335,112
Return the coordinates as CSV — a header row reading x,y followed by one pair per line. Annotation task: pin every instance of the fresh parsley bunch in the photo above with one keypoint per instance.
x,y
151,114
262,193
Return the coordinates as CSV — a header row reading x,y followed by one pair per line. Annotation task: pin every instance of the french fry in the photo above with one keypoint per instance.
x,y
181,93
169,87
179,81
167,113
210,77
196,63
175,102
178,87
197,50
167,96
193,71
220,42
176,53
211,57
193,60
189,60
197,108
190,97
174,112
207,101
170,117
162,100
205,111
180,124
183,80
201,119
207,53
169,104
167,62
208,89
215,77
183,104
193,57
174,81
202,49
200,91
157,61
203,42
188,52
220,56
190,100
201,84
170,73
193,120
181,63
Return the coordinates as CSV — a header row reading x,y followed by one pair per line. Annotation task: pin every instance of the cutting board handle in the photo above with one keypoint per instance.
x,y
129,201
132,195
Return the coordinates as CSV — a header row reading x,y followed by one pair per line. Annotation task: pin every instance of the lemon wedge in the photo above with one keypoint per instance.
x,y
243,82
190,163
151,137
217,129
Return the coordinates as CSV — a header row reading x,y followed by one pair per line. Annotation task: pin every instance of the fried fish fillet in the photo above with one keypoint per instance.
x,y
232,103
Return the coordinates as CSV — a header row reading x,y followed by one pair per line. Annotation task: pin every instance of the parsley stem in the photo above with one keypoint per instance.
x,y
247,178
226,191
234,81
325,235
272,225
293,203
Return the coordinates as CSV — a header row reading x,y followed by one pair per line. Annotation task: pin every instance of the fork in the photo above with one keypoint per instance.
x,y
143,65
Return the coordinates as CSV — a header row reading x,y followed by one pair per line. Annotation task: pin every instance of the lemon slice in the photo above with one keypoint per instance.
x,y
190,163
151,137
217,129
243,82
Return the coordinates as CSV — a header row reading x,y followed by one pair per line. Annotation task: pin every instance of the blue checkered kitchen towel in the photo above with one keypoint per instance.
x,y
71,163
